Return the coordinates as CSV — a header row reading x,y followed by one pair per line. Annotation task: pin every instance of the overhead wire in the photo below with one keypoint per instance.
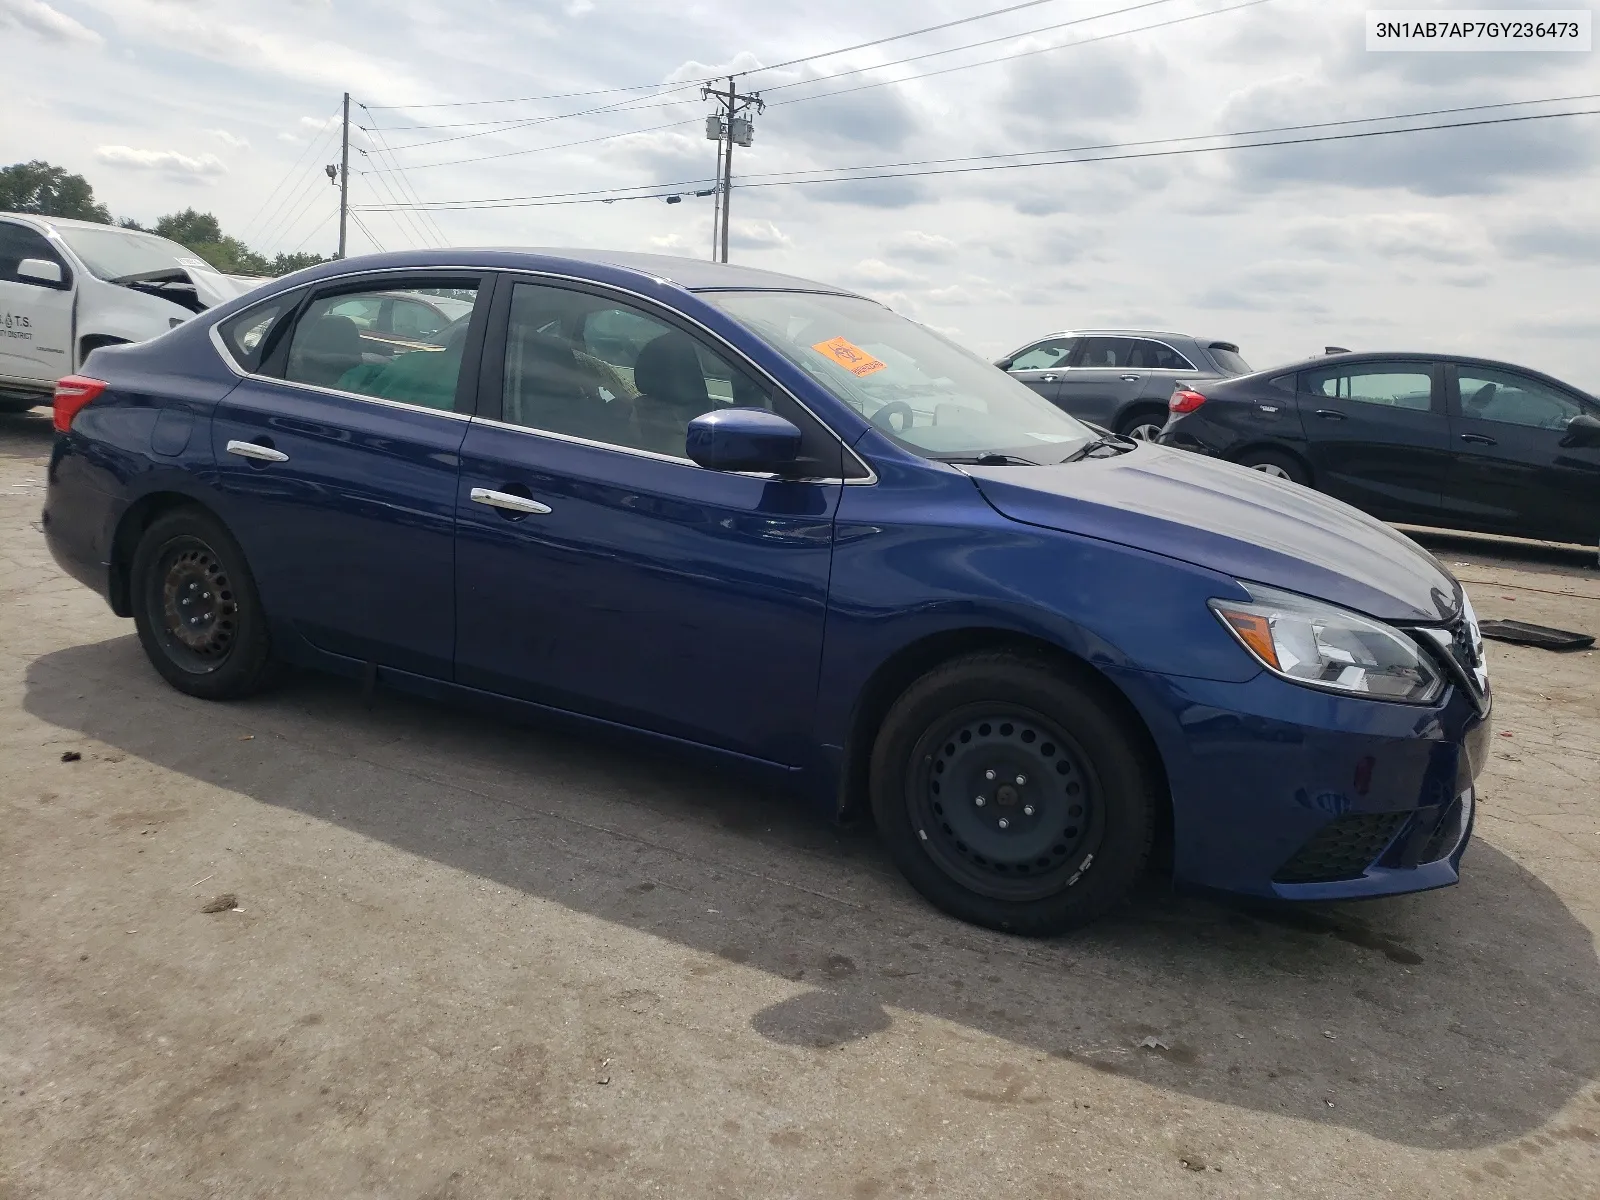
x,y
269,222
401,178
249,225
891,170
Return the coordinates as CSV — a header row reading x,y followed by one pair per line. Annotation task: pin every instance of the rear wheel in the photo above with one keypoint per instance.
x,y
1144,425
196,608
1278,465
1011,797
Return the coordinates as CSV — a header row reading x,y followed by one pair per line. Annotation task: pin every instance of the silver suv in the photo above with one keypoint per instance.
x,y
1120,379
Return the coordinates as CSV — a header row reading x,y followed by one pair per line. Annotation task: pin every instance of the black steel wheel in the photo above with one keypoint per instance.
x,y
196,608
1015,792
1007,801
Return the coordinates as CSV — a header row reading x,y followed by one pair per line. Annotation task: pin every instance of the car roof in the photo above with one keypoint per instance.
x,y
67,222
1360,356
689,273
1143,333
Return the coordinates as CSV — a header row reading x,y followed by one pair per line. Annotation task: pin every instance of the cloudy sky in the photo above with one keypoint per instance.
x,y
1481,239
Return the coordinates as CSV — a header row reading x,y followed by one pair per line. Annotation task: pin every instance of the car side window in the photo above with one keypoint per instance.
x,y
247,334
331,348
1391,384
589,367
1052,352
18,242
1158,356
1513,399
1104,352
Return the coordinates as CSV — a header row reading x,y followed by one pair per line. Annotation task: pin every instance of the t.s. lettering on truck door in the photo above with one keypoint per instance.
x,y
849,356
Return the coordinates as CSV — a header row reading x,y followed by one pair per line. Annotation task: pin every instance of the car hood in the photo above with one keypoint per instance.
x,y
1232,520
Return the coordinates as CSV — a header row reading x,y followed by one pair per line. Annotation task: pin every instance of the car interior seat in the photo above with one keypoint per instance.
x,y
324,350
672,392
545,388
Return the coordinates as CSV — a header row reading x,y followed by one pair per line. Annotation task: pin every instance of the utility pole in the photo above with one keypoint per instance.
x,y
728,126
344,176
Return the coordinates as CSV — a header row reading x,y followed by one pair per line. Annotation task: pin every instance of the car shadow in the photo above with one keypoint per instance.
x,y
1449,1020
27,432
1488,550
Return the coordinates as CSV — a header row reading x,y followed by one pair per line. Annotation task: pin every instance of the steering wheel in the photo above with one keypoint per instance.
x,y
895,408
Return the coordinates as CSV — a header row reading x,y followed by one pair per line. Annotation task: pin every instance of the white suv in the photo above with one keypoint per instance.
x,y
68,287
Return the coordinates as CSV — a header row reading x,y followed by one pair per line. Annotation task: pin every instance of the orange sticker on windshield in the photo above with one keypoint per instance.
x,y
849,356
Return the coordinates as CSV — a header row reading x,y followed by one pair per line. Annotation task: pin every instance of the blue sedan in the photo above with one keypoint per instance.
x,y
767,520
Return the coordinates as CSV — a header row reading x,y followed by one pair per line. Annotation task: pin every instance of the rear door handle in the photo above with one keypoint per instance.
x,y
1330,414
1478,439
257,451
1047,378
1130,379
509,502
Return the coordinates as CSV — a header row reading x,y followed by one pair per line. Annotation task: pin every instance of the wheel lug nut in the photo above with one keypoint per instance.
x,y
980,801
1004,824
1027,810
988,774
1021,779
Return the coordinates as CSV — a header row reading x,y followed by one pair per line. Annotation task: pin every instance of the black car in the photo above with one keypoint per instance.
x,y
1421,439
1119,378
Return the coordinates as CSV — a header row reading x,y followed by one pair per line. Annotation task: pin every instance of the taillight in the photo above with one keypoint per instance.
x,y
72,393
1185,401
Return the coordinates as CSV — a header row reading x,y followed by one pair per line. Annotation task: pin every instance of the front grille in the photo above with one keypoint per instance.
x,y
1458,647
1342,849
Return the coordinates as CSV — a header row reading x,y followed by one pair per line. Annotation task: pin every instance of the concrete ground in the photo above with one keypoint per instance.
x,y
471,959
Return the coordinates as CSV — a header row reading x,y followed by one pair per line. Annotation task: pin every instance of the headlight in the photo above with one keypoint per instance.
x,y
1323,646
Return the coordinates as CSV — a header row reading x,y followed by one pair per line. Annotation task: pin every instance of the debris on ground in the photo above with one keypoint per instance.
x,y
1522,633
70,756
226,902
1153,1043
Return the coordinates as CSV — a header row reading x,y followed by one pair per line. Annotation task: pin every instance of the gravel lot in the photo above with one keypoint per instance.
x,y
470,959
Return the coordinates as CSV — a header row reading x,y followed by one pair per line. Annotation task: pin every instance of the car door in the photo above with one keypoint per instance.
x,y
338,466
598,569
1509,472
35,314
1100,379
1161,367
1041,365
1378,437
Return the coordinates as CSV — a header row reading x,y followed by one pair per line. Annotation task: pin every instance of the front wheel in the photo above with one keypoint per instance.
x,y
196,608
1278,465
1010,796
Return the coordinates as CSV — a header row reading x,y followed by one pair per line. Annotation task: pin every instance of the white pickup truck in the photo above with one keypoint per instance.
x,y
67,287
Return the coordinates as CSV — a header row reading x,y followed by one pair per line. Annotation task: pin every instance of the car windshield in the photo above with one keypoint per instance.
x,y
113,253
920,388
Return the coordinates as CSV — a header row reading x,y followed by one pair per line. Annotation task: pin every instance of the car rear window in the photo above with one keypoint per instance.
x,y
1227,358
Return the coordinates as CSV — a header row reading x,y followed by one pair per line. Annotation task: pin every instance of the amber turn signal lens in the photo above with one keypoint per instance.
x,y
1256,632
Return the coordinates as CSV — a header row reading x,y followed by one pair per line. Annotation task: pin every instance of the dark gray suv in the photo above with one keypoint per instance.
x,y
1121,379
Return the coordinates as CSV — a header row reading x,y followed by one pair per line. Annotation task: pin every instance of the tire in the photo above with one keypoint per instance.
x,y
1078,828
1143,425
1278,464
188,568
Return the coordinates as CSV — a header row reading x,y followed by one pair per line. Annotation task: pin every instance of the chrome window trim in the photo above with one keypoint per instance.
x,y
227,357
675,459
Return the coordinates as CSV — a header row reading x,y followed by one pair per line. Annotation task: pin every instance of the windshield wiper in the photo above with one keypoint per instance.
x,y
1109,441
989,460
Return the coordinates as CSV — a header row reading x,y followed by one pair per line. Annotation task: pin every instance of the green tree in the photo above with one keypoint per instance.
x,y
283,264
202,233
39,187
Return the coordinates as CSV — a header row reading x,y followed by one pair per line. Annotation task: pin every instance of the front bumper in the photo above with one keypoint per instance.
x,y
1283,791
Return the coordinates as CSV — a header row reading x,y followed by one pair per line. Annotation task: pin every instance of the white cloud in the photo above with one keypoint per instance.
x,y
874,272
170,161
920,247
757,235
1437,236
229,140
578,8
53,25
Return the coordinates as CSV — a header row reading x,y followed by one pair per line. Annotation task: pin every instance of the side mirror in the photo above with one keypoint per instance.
x,y
40,269
1003,363
1582,431
743,439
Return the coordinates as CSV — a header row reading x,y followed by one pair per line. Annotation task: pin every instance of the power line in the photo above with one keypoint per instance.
x,y
888,171
879,83
311,144
400,177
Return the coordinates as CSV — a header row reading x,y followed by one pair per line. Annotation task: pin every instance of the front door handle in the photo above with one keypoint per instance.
x,y
508,501
1330,414
1130,379
1478,439
1047,378
257,451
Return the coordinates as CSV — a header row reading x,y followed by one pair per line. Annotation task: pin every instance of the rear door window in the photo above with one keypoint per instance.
x,y
1407,385
420,364
247,336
